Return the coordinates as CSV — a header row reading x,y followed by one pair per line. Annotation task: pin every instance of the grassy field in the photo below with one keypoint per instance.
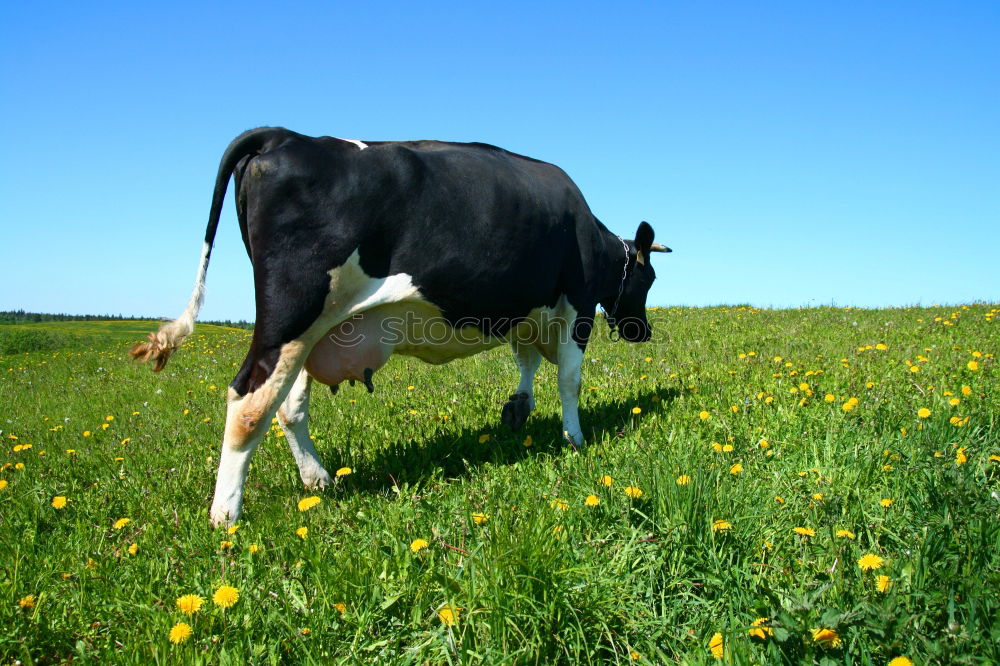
x,y
760,487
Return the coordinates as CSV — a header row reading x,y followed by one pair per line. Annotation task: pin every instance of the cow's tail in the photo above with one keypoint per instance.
x,y
169,337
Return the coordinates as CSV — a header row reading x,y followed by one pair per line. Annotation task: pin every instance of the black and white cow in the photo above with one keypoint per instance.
x,y
436,250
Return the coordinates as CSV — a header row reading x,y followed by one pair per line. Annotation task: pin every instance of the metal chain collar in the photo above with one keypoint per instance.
x,y
621,288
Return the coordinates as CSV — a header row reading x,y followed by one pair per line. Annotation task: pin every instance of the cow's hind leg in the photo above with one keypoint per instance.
x,y
293,415
515,412
248,417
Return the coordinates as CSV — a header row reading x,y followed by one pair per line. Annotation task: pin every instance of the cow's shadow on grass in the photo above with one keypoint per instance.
x,y
457,453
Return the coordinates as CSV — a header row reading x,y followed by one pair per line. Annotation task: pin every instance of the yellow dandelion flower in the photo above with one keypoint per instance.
x,y
779,499
955,402
232,529
253,548
886,503
86,433
591,500
845,534
133,549
189,604
527,441
3,484
683,480
418,545
307,503
972,365
634,492
302,532
848,406
121,522
828,638
634,656
606,481
703,415
226,596
966,390
716,646
727,448
760,629
736,469
721,525
484,438
180,632
829,397
818,497
870,562
804,531
480,518
994,458
27,601
637,410
923,412
448,615
883,583
341,607
58,502
900,661
344,471
225,545
960,457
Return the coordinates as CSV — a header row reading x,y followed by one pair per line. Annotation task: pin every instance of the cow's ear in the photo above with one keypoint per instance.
x,y
643,241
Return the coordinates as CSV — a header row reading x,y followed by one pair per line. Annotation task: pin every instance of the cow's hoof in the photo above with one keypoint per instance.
x,y
221,518
516,411
317,480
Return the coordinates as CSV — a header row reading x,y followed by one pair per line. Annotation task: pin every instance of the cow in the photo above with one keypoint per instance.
x,y
426,248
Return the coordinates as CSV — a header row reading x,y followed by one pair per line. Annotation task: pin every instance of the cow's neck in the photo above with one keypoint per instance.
x,y
610,275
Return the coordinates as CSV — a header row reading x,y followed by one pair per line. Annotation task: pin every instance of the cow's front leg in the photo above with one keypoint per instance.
x,y
570,358
248,417
293,415
522,403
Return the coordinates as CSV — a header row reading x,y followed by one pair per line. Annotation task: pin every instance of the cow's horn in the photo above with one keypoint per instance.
x,y
656,247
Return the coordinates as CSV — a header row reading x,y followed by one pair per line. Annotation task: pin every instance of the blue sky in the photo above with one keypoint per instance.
x,y
792,153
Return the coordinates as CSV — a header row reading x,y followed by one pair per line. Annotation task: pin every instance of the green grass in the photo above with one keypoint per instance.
x,y
643,578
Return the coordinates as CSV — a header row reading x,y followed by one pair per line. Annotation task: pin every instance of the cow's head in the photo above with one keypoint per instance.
x,y
628,312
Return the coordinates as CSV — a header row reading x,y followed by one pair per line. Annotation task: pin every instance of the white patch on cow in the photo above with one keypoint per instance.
x,y
293,415
360,144
372,318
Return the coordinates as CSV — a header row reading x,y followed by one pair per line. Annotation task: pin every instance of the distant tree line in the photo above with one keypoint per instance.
x,y
22,317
